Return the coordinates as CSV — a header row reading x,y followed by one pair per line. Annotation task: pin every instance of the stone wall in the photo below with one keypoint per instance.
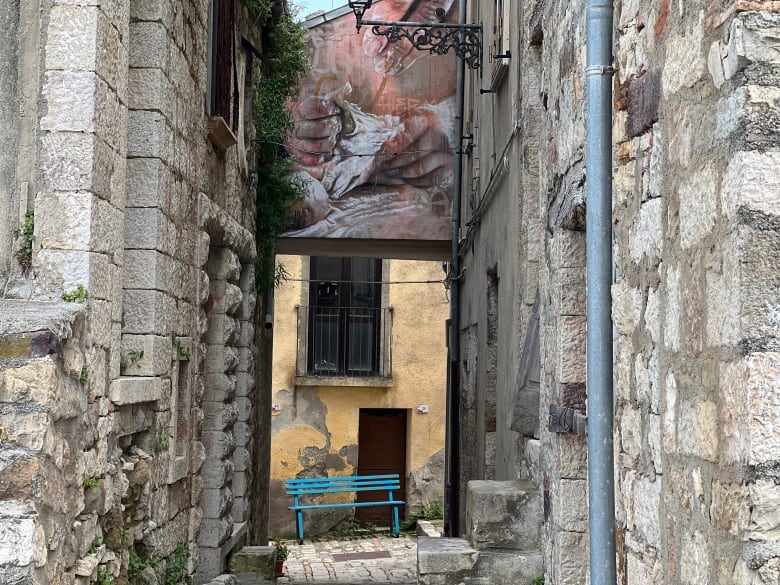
x,y
695,295
110,405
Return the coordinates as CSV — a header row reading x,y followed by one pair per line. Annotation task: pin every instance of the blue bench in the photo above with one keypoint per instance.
x,y
336,485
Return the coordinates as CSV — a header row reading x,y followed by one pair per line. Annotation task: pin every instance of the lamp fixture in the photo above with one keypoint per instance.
x,y
437,38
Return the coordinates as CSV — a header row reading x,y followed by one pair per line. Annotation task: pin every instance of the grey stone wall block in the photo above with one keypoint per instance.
x,y
503,514
64,220
70,101
135,390
149,89
72,38
110,64
147,269
442,556
568,249
110,116
156,359
219,416
571,350
147,134
27,427
145,312
107,228
214,531
146,182
100,323
215,503
148,45
64,269
219,444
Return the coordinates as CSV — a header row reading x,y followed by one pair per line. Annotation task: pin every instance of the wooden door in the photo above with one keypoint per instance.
x,y
381,449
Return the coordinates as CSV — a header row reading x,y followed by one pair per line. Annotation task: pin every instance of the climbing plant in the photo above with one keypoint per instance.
x,y
285,60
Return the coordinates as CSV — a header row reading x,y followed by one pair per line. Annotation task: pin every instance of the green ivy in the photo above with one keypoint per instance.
x,y
285,61
260,9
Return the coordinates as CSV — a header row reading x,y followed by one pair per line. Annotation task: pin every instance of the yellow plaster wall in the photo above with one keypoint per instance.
x,y
419,372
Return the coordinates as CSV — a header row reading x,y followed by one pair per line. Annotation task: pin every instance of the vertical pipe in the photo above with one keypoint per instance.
x,y
598,163
452,441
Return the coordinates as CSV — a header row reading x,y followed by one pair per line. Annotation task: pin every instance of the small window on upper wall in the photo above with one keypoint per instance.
x,y
499,47
223,117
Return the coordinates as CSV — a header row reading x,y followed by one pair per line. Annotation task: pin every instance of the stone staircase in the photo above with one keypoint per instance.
x,y
502,544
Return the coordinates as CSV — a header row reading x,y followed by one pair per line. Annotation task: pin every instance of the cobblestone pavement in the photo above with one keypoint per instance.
x,y
367,559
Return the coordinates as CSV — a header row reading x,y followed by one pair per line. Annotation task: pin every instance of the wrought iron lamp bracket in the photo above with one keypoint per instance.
x,y
465,40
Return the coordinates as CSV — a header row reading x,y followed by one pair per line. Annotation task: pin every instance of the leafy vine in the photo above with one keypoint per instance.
x,y
285,61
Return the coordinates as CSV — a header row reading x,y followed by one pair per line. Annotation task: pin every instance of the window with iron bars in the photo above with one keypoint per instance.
x,y
347,330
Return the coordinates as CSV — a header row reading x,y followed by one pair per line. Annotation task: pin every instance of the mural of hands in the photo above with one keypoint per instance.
x,y
392,59
318,123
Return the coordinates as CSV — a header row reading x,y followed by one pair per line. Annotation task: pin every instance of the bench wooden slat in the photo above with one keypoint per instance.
x,y
315,486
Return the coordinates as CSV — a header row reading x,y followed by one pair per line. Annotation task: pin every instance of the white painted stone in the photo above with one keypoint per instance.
x,y
66,162
673,313
646,235
71,41
698,206
752,181
70,101
647,508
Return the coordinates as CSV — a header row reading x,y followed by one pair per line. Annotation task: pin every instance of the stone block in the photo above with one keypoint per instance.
x,y
503,514
684,50
107,228
149,89
443,556
570,505
66,161
146,183
570,559
147,134
145,312
135,390
64,220
26,426
673,313
568,249
215,531
499,568
751,39
219,415
752,182
70,101
71,41
646,237
216,503
33,381
218,444
156,359
698,206
571,350
148,45
254,559
698,429
646,510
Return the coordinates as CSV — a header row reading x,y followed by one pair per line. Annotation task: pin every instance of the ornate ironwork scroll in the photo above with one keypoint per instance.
x,y
438,39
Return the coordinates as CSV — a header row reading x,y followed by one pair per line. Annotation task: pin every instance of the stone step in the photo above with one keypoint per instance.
x,y
258,560
444,561
504,515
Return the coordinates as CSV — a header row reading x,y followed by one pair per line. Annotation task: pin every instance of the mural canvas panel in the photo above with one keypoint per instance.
x,y
373,139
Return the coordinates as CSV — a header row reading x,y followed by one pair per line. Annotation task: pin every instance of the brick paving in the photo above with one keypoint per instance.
x,y
354,561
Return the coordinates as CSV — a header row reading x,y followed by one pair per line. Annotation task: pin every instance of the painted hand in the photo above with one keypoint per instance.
x,y
318,123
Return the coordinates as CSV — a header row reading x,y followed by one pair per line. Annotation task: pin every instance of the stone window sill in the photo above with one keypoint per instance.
x,y
220,133
345,381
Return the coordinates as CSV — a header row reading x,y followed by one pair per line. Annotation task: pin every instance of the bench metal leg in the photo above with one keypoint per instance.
x,y
298,522
395,522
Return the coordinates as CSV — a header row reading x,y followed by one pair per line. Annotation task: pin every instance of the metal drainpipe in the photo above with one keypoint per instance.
x,y
598,164
452,443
